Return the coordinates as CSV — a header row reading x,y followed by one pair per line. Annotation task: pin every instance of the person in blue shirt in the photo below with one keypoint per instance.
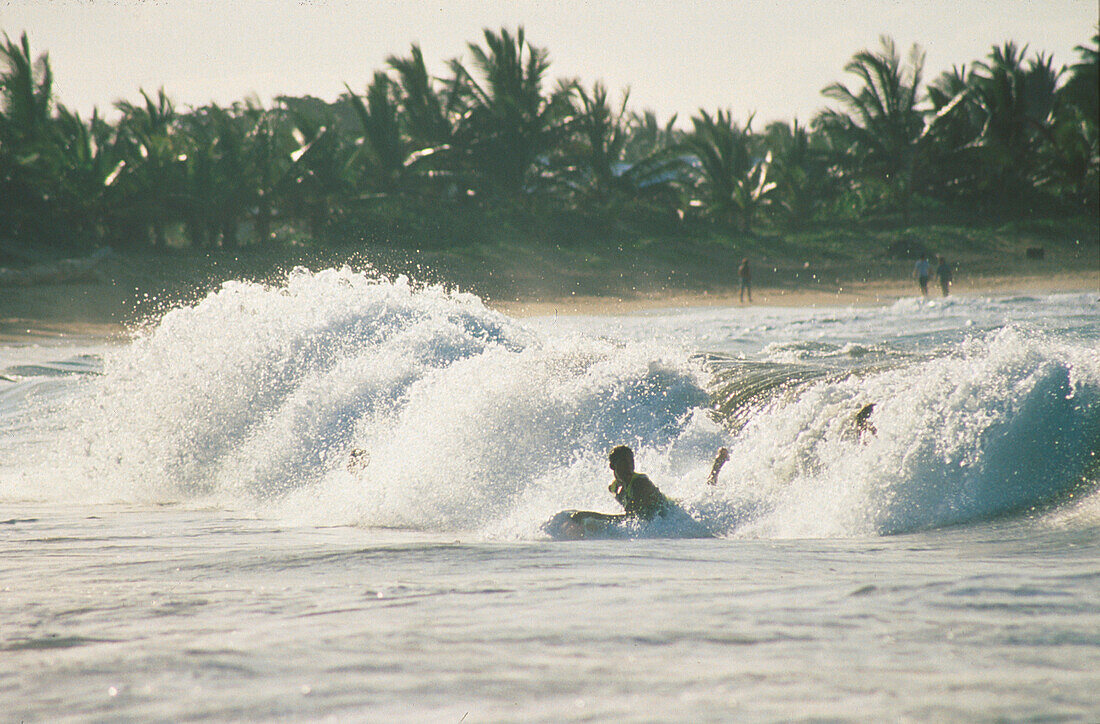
x,y
922,271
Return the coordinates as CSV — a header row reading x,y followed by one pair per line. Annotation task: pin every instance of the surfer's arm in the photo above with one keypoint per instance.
x,y
719,460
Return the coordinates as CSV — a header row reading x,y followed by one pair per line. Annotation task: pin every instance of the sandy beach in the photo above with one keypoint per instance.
x,y
870,293
114,307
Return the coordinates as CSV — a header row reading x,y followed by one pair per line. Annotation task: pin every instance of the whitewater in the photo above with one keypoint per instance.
x,y
323,499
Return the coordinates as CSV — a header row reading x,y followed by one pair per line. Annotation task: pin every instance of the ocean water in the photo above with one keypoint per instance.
x,y
182,537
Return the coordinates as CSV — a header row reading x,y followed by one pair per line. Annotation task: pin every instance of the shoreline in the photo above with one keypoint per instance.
x,y
113,293
859,294
112,314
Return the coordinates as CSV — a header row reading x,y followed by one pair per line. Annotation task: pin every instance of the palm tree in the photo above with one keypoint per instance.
x,y
384,151
1083,87
602,132
619,154
200,182
222,164
800,172
881,129
152,176
1016,103
648,137
727,171
235,160
26,93
269,150
509,124
653,167
28,164
321,171
89,163
1072,154
954,166
428,114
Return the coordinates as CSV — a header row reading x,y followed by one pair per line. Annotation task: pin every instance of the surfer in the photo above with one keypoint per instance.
x,y
640,498
862,421
358,460
637,493
719,460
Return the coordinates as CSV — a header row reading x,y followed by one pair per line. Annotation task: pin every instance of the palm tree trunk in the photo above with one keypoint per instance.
x,y
229,233
196,234
263,225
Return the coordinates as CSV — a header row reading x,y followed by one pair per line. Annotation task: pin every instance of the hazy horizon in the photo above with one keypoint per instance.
x,y
769,58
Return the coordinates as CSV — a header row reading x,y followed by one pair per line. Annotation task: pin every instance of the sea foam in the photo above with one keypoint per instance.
x,y
464,419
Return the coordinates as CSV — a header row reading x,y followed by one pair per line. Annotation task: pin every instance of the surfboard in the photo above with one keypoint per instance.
x,y
579,524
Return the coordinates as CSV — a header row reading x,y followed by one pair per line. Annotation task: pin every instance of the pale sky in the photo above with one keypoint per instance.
x,y
772,56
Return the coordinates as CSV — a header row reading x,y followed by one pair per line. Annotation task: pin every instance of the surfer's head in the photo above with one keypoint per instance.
x,y
621,458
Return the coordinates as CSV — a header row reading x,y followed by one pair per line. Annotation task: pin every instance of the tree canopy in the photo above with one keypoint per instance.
x,y
1008,133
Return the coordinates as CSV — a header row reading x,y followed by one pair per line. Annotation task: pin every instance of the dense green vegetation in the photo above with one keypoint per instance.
x,y
422,161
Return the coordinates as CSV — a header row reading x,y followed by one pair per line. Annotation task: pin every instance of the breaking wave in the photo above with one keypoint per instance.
x,y
462,419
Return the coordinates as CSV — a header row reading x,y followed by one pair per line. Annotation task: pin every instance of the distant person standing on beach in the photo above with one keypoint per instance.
x,y
745,273
921,271
943,273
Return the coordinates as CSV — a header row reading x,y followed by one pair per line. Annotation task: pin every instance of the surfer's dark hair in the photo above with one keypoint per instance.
x,y
621,454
